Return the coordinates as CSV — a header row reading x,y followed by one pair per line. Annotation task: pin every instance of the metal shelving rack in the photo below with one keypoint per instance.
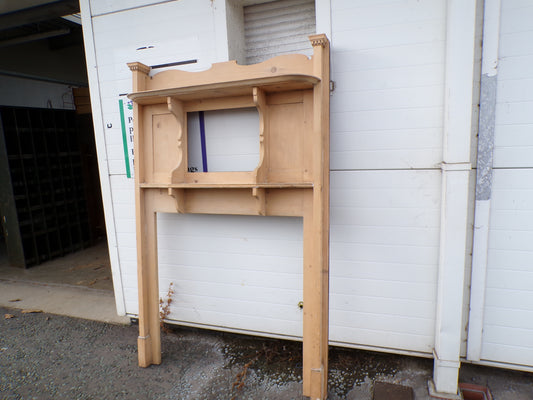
x,y
42,201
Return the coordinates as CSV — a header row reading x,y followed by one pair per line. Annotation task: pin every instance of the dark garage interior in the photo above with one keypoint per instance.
x,y
50,199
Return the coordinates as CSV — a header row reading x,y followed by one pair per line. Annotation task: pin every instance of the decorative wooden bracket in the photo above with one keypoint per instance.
x,y
291,94
176,108
259,195
259,99
179,197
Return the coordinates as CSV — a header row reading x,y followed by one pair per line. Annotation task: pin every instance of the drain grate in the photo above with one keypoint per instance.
x,y
390,391
474,392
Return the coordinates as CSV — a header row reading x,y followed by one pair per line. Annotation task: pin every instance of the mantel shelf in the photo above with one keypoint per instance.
x,y
300,185
281,83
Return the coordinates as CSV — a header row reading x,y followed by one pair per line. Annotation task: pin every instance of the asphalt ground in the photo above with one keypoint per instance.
x,y
47,356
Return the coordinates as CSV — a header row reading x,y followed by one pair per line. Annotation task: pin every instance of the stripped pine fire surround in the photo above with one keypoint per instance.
x,y
291,94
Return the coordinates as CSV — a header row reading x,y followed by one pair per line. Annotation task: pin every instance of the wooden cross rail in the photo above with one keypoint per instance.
x,y
291,94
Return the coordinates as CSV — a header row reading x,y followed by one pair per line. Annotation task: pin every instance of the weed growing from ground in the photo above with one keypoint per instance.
x,y
164,307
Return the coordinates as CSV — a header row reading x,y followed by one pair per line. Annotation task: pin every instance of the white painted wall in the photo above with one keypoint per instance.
x,y
231,140
19,92
102,7
157,39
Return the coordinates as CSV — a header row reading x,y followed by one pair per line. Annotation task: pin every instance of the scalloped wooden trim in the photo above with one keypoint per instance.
x,y
230,71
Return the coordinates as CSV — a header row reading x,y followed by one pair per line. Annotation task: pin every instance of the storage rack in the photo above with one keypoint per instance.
x,y
43,199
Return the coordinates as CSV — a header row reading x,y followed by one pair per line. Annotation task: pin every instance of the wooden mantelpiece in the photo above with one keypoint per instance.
x,y
291,94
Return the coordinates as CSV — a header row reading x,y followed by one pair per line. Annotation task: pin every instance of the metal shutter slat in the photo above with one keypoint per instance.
x,y
278,27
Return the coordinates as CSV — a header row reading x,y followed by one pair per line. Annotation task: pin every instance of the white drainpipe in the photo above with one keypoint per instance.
x,y
456,169
487,111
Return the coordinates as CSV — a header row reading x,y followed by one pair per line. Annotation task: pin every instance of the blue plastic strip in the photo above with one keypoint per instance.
x,y
202,140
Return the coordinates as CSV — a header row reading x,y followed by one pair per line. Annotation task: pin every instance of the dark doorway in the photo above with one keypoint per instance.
x,y
50,200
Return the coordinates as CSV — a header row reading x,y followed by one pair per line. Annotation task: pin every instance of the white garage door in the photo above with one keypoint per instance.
x,y
508,314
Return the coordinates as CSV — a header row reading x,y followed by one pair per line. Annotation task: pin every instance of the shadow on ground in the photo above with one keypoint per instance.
x,y
89,268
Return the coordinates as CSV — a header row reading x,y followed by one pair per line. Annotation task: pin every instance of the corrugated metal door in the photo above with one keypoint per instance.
x,y
508,313
278,27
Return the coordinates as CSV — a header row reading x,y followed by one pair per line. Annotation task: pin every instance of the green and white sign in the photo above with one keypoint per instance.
x,y
126,119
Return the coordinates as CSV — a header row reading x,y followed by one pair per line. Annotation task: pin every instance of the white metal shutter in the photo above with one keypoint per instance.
x,y
278,27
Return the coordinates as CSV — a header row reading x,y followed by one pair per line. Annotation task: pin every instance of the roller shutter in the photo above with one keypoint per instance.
x,y
278,27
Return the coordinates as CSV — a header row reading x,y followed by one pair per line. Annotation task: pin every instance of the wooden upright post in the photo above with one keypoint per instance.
x,y
149,340
316,237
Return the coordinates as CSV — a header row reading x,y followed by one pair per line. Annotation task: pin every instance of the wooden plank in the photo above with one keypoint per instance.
x,y
82,100
224,103
83,109
149,341
285,202
318,363
294,69
227,185
225,89
214,178
287,132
